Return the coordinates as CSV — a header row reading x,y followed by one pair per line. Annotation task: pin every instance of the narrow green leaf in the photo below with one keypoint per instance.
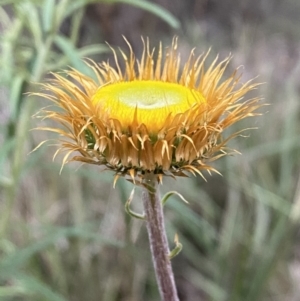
x,y
212,289
61,11
9,41
16,95
61,61
261,225
129,211
12,291
72,54
11,264
169,194
178,248
35,287
29,11
75,25
48,15
145,5
154,9
92,49
5,149
273,246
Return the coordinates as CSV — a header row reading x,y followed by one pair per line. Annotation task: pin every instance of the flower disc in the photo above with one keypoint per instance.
x,y
153,100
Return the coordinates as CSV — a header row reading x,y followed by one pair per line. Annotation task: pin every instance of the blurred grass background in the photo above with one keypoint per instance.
x,y
67,238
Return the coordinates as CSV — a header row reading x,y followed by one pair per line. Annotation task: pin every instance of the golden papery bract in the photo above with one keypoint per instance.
x,y
184,141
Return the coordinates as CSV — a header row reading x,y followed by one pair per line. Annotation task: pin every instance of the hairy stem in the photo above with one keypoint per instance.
x,y
158,240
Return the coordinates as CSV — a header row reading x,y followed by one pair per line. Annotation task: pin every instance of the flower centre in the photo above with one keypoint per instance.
x,y
154,101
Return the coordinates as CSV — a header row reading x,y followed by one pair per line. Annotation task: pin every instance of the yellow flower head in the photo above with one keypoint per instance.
x,y
155,116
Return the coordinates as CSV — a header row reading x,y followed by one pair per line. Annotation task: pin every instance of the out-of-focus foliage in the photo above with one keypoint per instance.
x,y
67,237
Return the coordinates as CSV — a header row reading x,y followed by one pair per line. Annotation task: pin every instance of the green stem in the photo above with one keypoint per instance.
x,y
158,240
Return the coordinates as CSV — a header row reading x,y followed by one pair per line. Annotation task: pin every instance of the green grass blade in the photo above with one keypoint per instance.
x,y
145,5
11,291
12,263
69,50
154,9
48,10
35,287
16,95
28,11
